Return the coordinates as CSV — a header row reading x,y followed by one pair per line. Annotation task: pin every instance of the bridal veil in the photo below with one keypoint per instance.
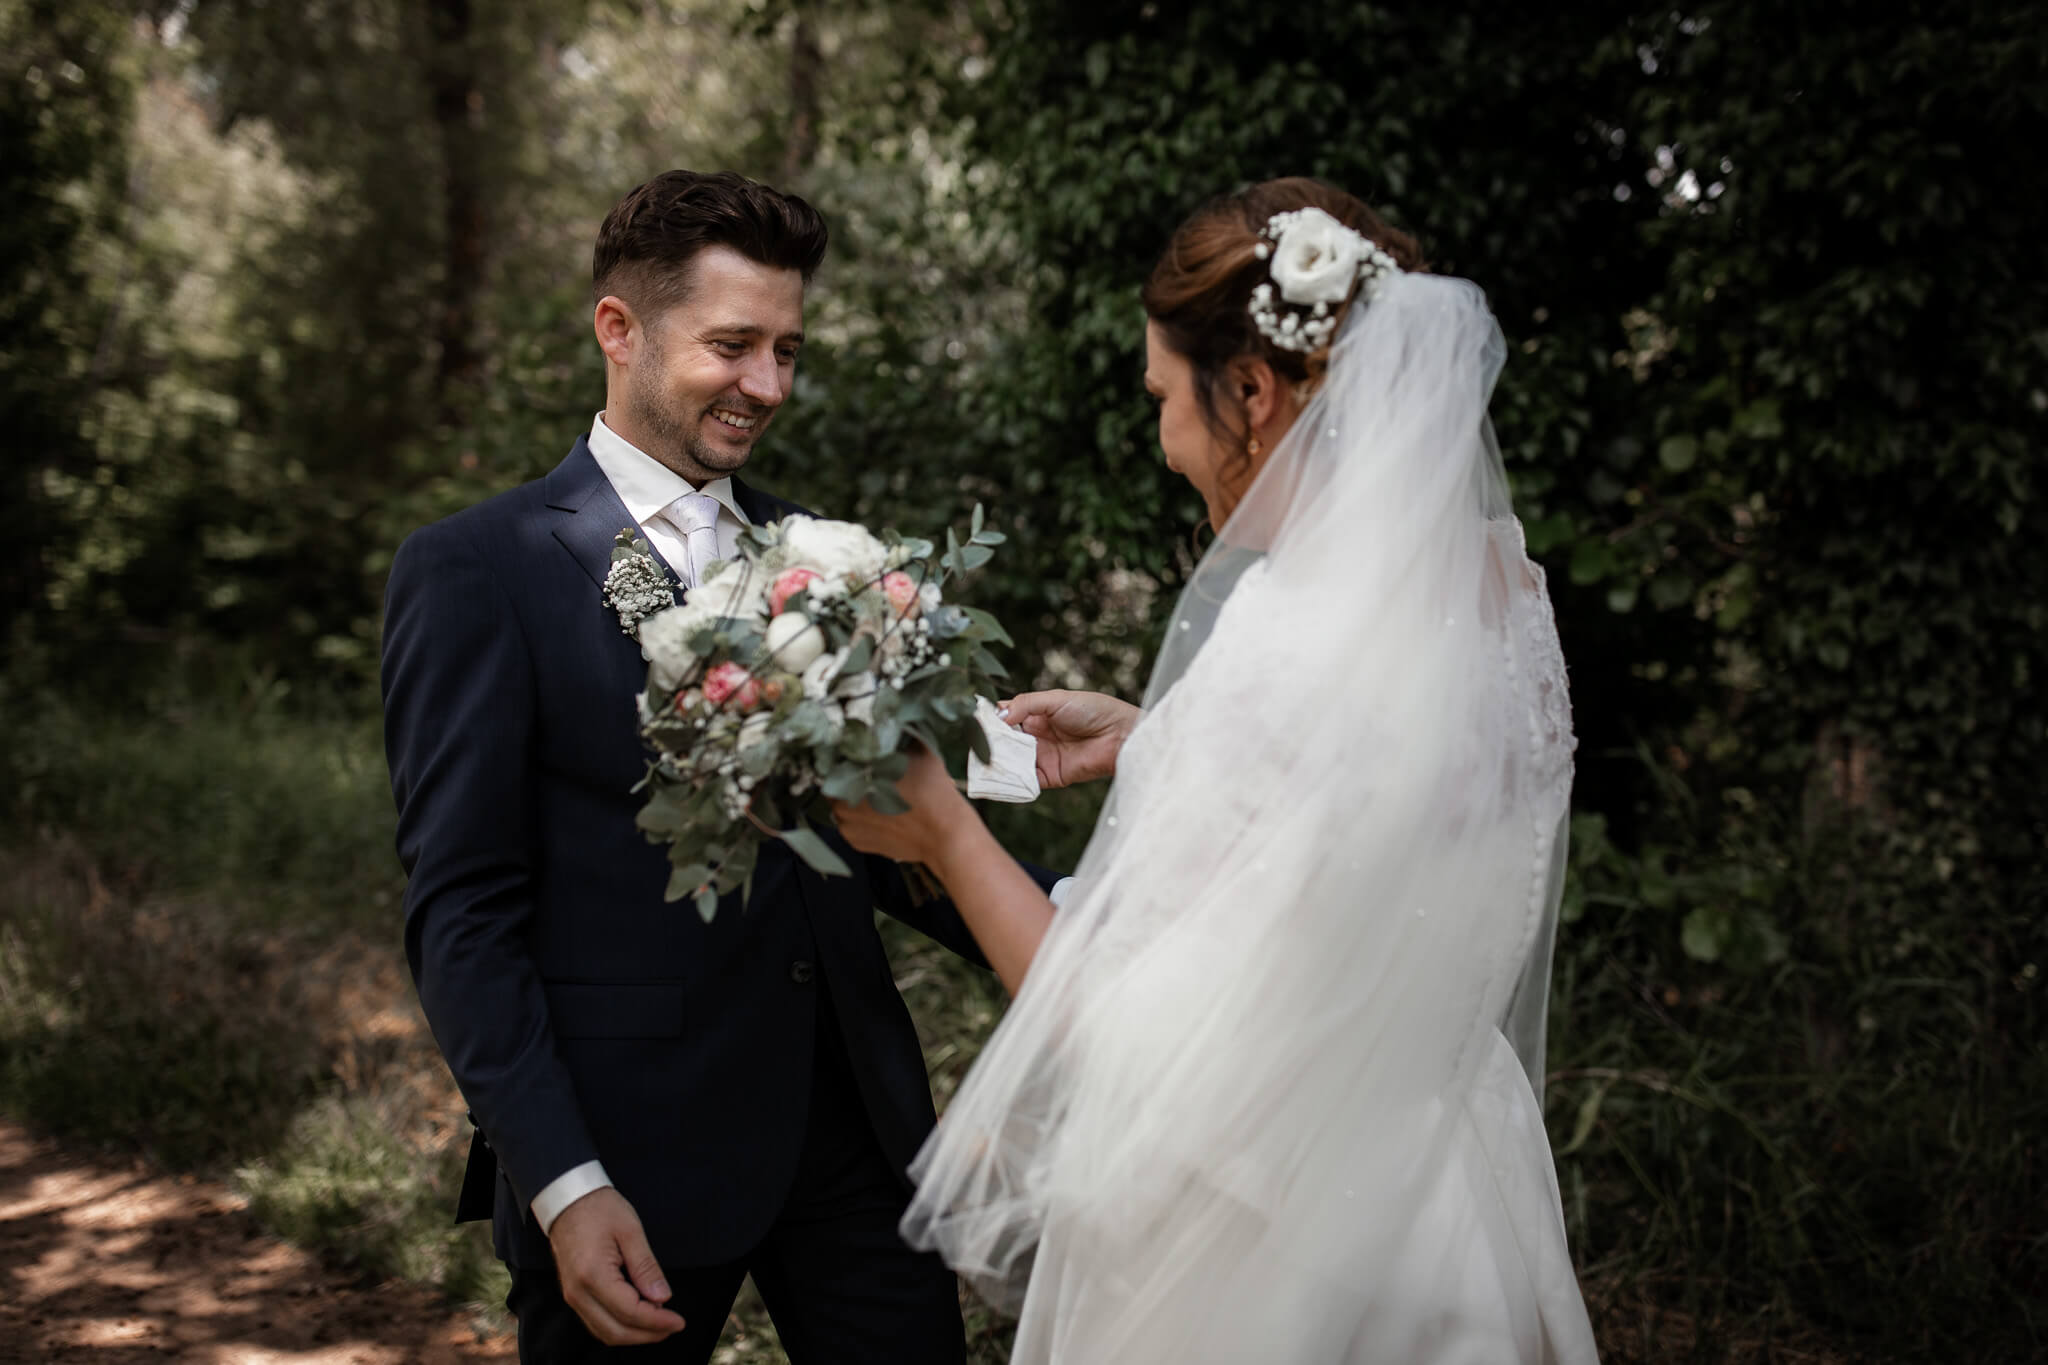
x,y
1256,1099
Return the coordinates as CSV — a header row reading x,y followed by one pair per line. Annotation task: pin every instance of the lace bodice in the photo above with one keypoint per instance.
x,y
1532,654
1539,657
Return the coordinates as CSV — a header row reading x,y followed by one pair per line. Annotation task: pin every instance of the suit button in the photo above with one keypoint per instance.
x,y
801,972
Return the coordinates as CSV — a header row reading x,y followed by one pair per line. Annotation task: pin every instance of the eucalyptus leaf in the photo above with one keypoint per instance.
x,y
735,871
858,657
987,626
767,808
684,881
845,782
664,812
948,621
806,843
884,797
857,742
810,723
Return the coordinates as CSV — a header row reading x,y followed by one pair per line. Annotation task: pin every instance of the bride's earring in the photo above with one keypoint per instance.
x,y
1252,447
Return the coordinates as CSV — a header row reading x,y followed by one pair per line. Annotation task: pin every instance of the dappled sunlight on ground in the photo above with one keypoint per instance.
x,y
102,1260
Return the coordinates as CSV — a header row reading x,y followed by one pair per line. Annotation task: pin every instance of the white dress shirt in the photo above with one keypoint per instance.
x,y
647,487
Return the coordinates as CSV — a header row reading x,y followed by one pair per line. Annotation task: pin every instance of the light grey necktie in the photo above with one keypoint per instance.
x,y
695,515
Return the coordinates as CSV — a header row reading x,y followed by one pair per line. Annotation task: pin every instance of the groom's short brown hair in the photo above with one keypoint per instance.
x,y
650,237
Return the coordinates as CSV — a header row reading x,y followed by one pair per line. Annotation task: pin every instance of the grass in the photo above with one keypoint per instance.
x,y
200,961
1824,1146
155,1024
1827,1148
285,811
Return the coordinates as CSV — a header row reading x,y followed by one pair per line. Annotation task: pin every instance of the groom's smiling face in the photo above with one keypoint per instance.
x,y
703,379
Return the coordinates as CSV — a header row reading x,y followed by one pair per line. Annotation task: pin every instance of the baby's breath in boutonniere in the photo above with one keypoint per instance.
x,y
636,586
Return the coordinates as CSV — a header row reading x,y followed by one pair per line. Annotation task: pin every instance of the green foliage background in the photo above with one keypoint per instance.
x,y
1776,397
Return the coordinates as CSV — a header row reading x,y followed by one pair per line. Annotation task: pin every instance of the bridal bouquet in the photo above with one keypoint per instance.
x,y
793,676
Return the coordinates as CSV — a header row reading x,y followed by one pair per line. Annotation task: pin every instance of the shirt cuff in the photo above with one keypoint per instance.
x,y
1058,894
565,1189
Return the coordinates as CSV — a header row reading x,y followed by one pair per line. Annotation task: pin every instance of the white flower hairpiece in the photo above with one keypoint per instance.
x,y
1315,260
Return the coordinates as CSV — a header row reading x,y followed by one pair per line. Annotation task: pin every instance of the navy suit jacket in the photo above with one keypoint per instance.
x,y
583,1017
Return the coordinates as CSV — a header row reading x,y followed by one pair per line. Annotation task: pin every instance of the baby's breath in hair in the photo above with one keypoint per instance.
x,y
1316,262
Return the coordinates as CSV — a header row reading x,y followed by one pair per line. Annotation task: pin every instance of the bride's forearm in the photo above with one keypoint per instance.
x,y
1004,909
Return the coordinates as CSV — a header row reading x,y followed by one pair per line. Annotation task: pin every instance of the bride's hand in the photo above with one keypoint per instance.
x,y
1079,734
920,835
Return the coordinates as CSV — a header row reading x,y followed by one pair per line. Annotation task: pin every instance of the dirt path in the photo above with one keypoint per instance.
x,y
105,1261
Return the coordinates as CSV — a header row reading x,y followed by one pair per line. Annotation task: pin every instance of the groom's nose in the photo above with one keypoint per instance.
x,y
763,379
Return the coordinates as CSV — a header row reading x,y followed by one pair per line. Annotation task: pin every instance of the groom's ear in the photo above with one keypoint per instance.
x,y
617,328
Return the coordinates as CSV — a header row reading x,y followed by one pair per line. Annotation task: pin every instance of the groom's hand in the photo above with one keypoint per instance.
x,y
609,1275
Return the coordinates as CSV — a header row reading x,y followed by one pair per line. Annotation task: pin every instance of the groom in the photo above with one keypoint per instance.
x,y
663,1105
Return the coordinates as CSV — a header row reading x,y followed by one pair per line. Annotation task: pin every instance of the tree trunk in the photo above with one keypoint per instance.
x,y
806,63
458,117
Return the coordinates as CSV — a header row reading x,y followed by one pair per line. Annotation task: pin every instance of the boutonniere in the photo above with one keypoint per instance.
x,y
636,586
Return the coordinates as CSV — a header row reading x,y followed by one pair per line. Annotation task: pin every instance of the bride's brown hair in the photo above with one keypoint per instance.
x,y
1200,292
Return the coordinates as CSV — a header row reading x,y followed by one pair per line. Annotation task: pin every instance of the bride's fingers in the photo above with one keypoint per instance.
x,y
1026,707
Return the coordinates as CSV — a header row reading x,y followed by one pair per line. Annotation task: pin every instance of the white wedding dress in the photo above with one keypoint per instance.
x,y
1269,1091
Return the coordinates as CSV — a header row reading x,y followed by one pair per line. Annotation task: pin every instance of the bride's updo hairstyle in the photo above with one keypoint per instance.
x,y
1200,292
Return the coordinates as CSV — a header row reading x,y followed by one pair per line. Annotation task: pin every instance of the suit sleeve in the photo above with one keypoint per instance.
x,y
459,720
937,919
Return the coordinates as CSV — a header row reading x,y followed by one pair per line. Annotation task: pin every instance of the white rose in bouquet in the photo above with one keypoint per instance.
x,y
730,588
833,548
818,676
792,642
665,641
1316,259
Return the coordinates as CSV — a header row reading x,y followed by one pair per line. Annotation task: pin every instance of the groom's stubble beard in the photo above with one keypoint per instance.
x,y
674,432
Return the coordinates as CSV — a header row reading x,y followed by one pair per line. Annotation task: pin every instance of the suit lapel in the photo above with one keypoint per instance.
x,y
596,516
762,509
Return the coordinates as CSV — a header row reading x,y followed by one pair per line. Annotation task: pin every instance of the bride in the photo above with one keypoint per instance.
x,y
1269,1087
